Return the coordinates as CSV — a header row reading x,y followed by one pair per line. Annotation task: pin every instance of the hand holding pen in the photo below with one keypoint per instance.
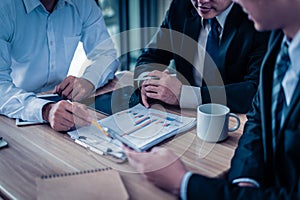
x,y
165,88
95,123
151,78
64,115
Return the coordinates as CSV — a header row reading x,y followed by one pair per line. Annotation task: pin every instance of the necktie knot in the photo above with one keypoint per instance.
x,y
282,63
215,27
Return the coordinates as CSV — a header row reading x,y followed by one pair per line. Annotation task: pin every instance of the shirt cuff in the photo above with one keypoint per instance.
x,y
34,110
247,180
190,97
184,184
99,76
142,75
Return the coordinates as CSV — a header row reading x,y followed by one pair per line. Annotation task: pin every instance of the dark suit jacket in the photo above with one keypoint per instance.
x,y
241,52
275,165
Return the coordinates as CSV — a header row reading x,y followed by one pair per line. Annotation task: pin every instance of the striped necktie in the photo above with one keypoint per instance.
x,y
278,96
212,49
213,40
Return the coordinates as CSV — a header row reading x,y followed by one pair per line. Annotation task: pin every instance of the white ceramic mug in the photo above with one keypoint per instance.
x,y
212,122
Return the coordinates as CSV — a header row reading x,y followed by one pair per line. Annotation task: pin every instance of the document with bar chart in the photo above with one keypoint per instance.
x,y
142,128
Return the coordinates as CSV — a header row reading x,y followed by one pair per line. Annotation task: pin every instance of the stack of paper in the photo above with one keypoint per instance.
x,y
138,127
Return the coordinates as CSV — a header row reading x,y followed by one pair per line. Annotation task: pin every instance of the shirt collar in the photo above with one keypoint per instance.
x,y
30,5
221,17
294,52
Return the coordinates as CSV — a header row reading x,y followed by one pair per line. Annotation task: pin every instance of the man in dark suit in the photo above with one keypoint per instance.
x,y
266,164
228,74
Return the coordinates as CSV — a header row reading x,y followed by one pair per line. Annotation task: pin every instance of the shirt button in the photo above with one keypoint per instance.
x,y
51,43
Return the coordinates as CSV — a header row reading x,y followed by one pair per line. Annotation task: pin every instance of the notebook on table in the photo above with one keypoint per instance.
x,y
97,184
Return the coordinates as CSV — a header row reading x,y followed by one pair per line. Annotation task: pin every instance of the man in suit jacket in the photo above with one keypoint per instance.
x,y
183,38
266,164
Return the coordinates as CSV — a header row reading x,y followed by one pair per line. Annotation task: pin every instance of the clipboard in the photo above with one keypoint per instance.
x,y
140,128
92,139
113,101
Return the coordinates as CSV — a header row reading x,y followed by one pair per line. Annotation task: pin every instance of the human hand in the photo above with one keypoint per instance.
x,y
144,96
74,88
160,166
246,184
63,115
166,88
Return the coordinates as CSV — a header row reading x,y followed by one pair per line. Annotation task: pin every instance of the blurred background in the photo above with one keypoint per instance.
x,y
123,15
131,24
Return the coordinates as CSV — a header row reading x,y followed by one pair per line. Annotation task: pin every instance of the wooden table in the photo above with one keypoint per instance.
x,y
38,150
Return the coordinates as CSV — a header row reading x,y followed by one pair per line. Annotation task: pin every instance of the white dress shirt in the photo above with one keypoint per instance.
x,y
291,77
36,49
190,95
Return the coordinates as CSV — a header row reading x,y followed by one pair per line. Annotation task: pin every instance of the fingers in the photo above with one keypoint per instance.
x,y
144,97
144,100
55,90
141,158
82,89
74,88
64,115
59,118
166,71
65,88
157,73
132,155
164,79
134,159
81,115
157,149
166,89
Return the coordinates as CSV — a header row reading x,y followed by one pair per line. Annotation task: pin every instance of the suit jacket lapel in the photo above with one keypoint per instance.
x,y
295,100
230,29
192,24
191,29
266,94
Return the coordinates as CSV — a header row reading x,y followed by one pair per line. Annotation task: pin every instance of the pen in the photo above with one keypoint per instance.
x,y
96,124
101,152
150,78
100,128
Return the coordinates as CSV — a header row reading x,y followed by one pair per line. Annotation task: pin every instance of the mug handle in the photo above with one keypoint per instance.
x,y
238,122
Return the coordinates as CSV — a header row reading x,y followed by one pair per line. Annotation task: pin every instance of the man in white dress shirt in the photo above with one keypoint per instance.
x,y
37,43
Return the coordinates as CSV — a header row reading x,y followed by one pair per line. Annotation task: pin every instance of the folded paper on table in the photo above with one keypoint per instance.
x,y
103,183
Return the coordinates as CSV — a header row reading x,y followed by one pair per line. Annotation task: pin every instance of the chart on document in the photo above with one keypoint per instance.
x,y
146,127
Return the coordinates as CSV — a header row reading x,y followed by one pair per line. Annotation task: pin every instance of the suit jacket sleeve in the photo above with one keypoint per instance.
x,y
200,187
248,159
158,53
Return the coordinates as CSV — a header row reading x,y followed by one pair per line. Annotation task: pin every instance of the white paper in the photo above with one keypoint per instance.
x,y
144,127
